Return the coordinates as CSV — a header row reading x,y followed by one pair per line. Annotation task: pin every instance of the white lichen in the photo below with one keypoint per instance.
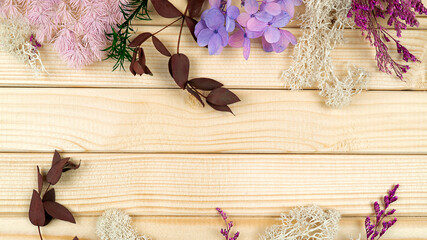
x,y
115,224
15,39
323,25
305,223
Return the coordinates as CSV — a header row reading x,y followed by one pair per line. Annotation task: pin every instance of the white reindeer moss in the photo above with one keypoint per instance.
x,y
305,223
115,224
15,39
323,25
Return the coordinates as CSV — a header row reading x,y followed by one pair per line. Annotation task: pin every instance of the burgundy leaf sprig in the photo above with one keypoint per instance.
x,y
228,226
43,207
219,98
378,226
401,13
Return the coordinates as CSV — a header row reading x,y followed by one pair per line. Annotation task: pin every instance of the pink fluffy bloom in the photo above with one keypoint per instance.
x,y
75,27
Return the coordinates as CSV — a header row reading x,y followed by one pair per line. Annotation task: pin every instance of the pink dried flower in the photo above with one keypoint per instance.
x,y
229,225
76,27
402,13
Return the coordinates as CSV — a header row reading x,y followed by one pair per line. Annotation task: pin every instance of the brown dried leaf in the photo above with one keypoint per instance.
x,y
55,172
148,71
206,84
195,7
141,56
138,68
49,196
39,180
222,97
58,211
196,95
221,108
70,166
56,157
161,47
179,66
140,39
191,24
166,9
36,213
131,66
131,69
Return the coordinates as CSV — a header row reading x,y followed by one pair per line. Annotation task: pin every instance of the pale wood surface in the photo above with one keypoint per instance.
x,y
150,149
189,228
245,185
135,120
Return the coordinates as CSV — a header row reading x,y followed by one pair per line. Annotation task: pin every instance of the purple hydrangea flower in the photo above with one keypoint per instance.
x,y
289,6
211,31
270,28
242,38
251,8
271,7
263,20
230,17
284,39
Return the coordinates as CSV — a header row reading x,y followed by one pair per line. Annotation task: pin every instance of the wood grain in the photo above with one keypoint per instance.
x,y
262,71
125,120
206,228
193,185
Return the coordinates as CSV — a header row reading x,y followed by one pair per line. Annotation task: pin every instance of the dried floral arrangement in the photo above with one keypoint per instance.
x,y
323,25
228,226
258,21
401,14
313,223
76,28
16,38
309,222
378,226
115,224
43,207
121,34
219,98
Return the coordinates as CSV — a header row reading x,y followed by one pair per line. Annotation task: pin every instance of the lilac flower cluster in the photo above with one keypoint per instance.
x,y
259,20
401,13
229,225
373,231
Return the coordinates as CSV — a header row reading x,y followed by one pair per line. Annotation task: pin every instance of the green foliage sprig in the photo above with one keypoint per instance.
x,y
119,36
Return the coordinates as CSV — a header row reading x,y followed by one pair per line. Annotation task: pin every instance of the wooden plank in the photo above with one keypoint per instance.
x,y
262,71
245,185
207,228
134,120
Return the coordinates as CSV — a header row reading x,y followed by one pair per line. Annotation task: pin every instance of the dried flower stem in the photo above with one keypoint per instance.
x,y
180,30
40,233
170,24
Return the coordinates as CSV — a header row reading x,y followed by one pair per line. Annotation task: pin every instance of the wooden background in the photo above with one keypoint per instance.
x,y
148,148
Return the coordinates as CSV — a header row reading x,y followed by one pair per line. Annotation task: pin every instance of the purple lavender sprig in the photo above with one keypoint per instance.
x,y
377,227
229,225
401,13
